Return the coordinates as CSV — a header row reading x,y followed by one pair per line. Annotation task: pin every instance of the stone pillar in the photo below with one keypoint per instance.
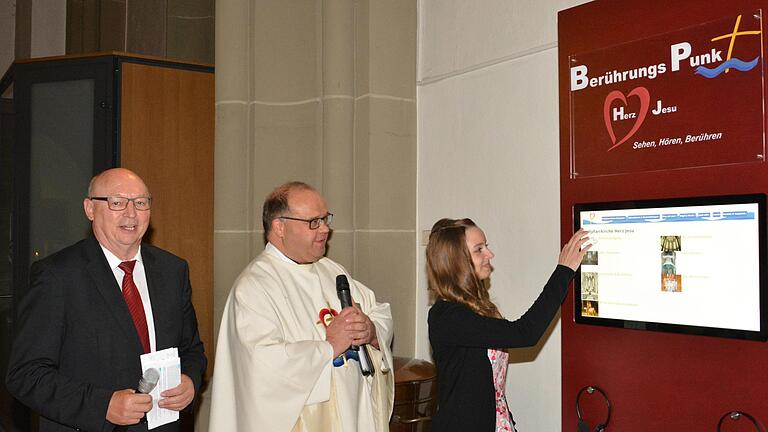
x,y
338,102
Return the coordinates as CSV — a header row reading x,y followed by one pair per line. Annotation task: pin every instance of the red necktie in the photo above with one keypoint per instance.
x,y
135,306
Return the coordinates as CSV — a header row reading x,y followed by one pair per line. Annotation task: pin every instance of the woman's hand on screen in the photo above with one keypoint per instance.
x,y
574,250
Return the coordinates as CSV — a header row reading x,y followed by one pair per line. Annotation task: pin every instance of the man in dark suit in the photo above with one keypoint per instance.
x,y
93,308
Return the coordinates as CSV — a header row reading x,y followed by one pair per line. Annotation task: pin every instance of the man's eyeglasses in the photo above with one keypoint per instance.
x,y
313,223
118,203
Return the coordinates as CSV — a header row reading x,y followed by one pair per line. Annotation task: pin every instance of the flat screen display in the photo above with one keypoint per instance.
x,y
688,265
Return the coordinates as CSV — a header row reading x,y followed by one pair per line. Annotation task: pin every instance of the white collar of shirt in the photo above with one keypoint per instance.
x,y
114,261
140,279
274,251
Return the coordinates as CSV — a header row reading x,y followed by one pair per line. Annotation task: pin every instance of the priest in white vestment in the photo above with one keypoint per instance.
x,y
283,361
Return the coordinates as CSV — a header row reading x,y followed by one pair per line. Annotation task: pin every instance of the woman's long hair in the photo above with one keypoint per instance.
x,y
450,271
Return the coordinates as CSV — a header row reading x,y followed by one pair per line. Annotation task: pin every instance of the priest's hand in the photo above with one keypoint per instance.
x,y
363,328
179,397
337,334
126,407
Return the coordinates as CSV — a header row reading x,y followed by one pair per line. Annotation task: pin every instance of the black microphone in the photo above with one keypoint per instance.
x,y
345,296
148,381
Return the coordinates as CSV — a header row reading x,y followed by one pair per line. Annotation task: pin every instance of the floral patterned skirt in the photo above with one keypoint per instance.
x,y
499,359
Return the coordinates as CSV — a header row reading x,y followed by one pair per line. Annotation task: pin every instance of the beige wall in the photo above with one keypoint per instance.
x,y
7,34
488,149
48,27
175,29
38,28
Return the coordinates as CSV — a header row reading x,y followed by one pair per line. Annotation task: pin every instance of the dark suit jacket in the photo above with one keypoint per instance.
x,y
76,342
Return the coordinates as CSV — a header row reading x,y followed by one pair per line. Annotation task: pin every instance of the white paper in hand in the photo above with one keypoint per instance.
x,y
166,362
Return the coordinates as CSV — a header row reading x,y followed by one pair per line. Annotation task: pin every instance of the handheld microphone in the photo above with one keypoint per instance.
x,y
345,296
148,381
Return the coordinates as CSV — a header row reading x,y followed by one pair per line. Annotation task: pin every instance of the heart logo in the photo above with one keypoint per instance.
x,y
645,98
326,316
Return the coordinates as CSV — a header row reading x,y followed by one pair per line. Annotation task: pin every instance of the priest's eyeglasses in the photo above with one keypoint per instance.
x,y
313,223
118,203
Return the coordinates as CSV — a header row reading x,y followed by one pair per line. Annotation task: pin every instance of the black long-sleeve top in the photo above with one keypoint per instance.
x,y
460,340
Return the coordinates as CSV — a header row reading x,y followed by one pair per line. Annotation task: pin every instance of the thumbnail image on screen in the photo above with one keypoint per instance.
x,y
691,265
